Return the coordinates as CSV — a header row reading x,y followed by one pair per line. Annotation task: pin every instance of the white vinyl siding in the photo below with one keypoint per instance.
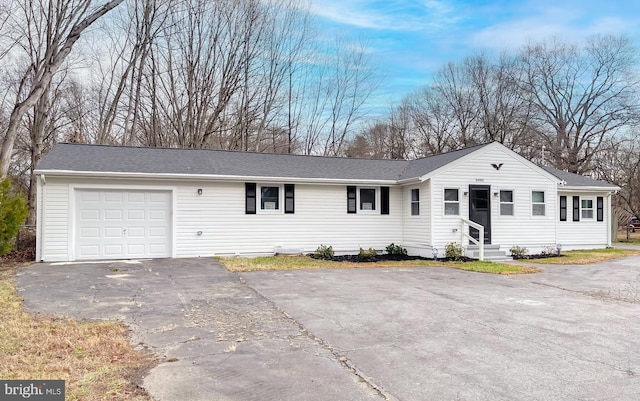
x,y
585,233
214,222
417,229
515,174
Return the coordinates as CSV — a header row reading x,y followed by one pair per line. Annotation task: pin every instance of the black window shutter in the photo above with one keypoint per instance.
x,y
576,208
563,208
384,200
250,198
600,203
289,198
351,199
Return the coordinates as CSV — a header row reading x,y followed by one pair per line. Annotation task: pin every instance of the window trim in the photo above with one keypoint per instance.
x,y
413,202
376,200
543,203
512,203
583,209
444,202
259,209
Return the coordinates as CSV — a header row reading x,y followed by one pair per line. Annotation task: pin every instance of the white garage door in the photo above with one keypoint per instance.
x,y
118,224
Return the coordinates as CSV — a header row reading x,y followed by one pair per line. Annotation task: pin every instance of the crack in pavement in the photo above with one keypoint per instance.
x,y
344,361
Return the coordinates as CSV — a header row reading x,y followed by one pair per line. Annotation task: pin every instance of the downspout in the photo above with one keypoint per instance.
x,y
40,189
610,222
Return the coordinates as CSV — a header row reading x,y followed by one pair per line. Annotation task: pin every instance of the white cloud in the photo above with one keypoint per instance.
x,y
391,15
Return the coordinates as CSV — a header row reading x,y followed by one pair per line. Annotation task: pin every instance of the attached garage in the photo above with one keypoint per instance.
x,y
121,224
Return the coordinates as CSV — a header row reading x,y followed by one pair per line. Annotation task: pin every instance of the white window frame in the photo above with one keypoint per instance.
x,y
444,202
592,209
412,202
280,209
376,209
544,203
512,203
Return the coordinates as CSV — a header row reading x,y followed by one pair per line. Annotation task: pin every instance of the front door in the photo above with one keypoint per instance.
x,y
480,210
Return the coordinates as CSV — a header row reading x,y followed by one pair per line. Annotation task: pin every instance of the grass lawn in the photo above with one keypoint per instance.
x,y
282,262
95,358
582,257
634,238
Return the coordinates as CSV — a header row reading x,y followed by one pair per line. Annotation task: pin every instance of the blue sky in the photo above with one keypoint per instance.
x,y
408,40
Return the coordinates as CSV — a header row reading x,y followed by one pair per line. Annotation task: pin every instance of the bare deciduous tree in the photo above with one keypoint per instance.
x,y
47,31
581,95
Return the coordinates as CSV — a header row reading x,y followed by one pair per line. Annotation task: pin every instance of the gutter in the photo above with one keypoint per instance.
x,y
208,177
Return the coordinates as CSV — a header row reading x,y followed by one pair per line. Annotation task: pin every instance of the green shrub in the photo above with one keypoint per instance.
x,y
518,252
393,249
368,254
13,212
453,251
324,252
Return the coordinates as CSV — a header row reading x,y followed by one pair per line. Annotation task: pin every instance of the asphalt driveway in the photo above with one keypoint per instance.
x,y
570,333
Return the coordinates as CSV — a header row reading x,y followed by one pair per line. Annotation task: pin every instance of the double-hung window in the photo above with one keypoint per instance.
x,y
451,202
586,208
415,202
506,203
537,203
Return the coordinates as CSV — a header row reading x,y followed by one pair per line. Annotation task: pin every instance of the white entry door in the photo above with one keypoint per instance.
x,y
122,224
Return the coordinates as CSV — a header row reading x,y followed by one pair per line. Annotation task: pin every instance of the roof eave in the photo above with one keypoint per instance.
x,y
587,188
204,177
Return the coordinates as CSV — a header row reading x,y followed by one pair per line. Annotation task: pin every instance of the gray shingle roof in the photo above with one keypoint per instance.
x,y
576,180
122,159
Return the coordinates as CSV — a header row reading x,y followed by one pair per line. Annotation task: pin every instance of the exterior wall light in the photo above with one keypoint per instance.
x,y
199,191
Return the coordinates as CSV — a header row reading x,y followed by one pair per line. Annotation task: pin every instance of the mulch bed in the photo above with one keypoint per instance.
x,y
387,257
539,256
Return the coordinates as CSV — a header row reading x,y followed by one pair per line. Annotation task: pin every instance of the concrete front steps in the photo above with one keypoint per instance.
x,y
491,252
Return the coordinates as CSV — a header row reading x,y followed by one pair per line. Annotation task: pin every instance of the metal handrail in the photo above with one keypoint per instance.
x,y
464,234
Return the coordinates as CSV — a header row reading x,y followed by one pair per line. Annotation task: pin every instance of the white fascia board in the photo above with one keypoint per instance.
x,y
208,177
566,188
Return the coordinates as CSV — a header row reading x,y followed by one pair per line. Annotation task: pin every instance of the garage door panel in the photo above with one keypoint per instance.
x,y
90,232
158,232
89,196
155,214
89,251
113,251
113,232
121,224
136,232
90,214
133,197
113,214
136,214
